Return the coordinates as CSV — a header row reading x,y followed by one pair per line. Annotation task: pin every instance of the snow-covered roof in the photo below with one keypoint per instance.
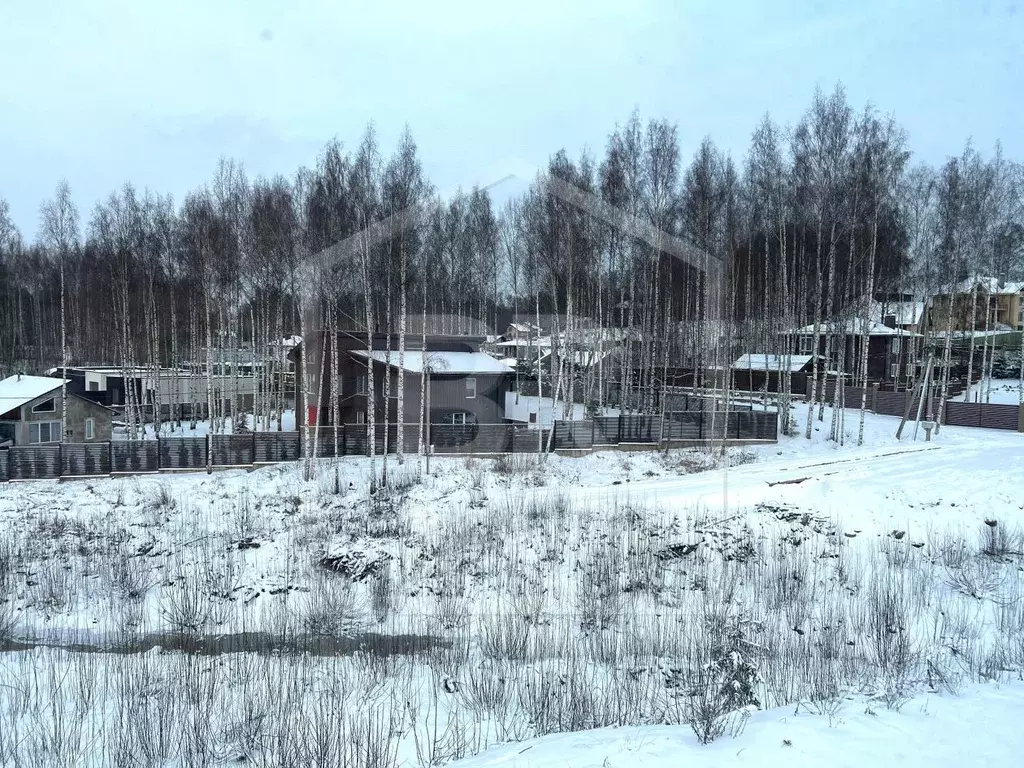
x,y
772,362
853,327
16,391
990,285
977,334
543,341
439,362
288,342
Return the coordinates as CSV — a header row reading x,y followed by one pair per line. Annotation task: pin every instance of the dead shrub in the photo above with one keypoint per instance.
x,y
331,608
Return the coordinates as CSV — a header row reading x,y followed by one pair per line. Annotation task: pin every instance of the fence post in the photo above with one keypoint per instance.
x,y
60,458
253,454
209,454
700,424
737,424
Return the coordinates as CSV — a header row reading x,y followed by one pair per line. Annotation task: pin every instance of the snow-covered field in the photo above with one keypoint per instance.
x,y
803,603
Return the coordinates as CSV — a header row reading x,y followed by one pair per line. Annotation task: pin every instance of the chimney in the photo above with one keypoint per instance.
x,y
889,321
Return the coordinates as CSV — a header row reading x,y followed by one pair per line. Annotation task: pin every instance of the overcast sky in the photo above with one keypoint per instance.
x,y
105,91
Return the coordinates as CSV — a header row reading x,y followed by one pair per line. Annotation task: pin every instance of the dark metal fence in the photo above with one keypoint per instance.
x,y
183,452
38,462
272,447
84,459
984,415
232,450
136,456
34,462
576,435
675,426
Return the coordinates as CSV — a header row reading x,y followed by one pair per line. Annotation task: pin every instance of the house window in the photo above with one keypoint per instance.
x,y
44,432
896,345
94,386
363,384
47,406
470,387
360,417
90,429
894,371
910,370
805,345
457,418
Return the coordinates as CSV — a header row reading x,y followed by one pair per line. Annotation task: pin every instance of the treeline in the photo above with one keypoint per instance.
x,y
812,221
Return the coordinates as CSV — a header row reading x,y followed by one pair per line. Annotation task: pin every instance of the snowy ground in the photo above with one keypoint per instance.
x,y
202,428
1003,391
934,732
666,594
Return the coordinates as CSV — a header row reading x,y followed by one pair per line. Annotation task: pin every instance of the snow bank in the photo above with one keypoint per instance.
x,y
980,728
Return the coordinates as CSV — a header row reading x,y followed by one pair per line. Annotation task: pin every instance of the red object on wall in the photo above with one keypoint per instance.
x,y
311,416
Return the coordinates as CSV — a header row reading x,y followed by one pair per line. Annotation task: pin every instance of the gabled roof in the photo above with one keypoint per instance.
x,y
16,391
759,362
440,363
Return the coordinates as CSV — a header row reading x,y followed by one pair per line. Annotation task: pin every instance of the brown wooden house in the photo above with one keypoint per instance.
x,y
467,386
894,354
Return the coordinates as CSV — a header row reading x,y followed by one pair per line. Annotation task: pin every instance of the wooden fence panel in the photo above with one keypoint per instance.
x,y
4,461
